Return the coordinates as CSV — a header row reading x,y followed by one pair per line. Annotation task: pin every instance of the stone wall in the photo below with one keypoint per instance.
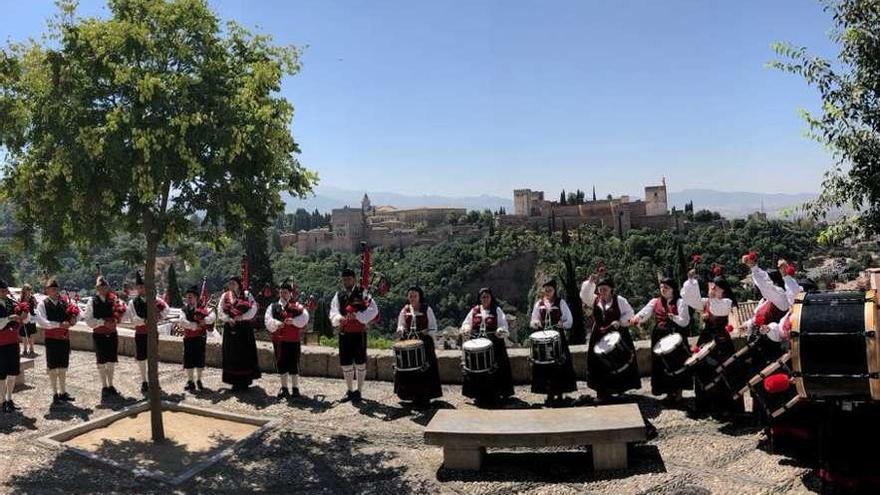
x,y
324,361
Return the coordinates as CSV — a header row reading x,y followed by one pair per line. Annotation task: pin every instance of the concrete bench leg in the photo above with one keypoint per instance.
x,y
470,459
609,456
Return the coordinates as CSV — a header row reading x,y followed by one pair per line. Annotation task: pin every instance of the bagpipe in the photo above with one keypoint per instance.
x,y
360,300
242,303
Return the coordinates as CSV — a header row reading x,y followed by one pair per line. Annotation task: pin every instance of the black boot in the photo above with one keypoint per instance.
x,y
283,393
295,393
190,386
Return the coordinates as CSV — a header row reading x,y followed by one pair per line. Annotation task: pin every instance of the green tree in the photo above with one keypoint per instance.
x,y
173,290
848,123
143,118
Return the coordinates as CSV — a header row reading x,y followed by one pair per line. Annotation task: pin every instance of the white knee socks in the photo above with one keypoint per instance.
x,y
348,373
62,380
190,372
199,373
294,381
10,386
361,375
102,372
284,377
142,366
53,380
109,369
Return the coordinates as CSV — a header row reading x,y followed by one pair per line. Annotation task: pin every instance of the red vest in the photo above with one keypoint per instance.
x,y
285,333
351,325
421,320
200,331
555,312
477,320
770,313
662,311
9,333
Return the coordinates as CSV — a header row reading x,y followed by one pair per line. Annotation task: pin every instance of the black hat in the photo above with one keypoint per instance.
x,y
52,282
138,278
192,290
3,284
348,272
101,282
286,285
668,282
236,278
605,281
549,283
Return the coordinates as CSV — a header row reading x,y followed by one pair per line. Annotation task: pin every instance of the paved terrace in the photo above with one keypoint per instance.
x,y
322,446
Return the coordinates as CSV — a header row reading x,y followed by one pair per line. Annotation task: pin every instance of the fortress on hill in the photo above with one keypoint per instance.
x,y
622,213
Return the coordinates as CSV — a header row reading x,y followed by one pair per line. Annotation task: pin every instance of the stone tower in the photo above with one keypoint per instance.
x,y
655,199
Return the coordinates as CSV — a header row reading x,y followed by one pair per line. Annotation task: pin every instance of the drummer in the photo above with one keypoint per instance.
x,y
551,312
417,321
777,296
716,312
611,313
487,320
671,315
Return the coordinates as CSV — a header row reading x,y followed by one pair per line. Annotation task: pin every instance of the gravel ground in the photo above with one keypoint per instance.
x,y
323,446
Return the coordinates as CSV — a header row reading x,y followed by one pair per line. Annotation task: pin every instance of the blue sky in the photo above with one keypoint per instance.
x,y
467,97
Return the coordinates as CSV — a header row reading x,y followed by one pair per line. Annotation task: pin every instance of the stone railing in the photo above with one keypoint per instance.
x,y
324,361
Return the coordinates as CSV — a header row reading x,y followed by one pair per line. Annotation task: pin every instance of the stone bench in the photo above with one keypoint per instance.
x,y
465,435
26,364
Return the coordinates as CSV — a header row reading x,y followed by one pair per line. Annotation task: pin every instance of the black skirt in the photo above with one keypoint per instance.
x,y
557,378
491,386
9,361
57,353
194,352
420,385
352,348
287,357
600,378
661,381
719,398
106,347
240,365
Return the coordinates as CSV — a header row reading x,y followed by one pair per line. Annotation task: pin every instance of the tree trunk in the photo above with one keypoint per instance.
x,y
158,428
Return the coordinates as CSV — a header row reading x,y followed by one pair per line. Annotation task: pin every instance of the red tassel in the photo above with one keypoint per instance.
x,y
776,384
760,320
753,256
789,270
729,328
695,349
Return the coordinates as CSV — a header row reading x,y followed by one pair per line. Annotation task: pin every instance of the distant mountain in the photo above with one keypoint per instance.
x,y
328,197
733,204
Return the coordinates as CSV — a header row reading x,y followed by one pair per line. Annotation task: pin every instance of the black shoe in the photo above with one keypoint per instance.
x,y
295,393
11,406
112,392
356,396
145,387
199,385
190,386
5,408
283,393
56,399
349,396
105,392
66,397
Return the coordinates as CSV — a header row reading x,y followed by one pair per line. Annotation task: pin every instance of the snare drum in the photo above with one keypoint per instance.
x,y
673,351
835,349
546,347
478,356
739,369
613,352
409,355
703,365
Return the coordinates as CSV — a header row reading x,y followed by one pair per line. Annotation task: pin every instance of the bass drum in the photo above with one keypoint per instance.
x,y
835,352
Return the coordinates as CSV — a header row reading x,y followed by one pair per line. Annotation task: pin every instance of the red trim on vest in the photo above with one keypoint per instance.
x,y
140,329
102,330
56,333
287,333
9,334
201,331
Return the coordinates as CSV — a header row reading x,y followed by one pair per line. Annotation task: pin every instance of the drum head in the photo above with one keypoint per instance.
x,y
702,353
408,344
477,344
544,335
668,344
607,343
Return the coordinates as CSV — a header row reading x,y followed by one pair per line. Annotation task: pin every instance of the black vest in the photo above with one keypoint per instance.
x,y
140,307
102,309
56,311
7,307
